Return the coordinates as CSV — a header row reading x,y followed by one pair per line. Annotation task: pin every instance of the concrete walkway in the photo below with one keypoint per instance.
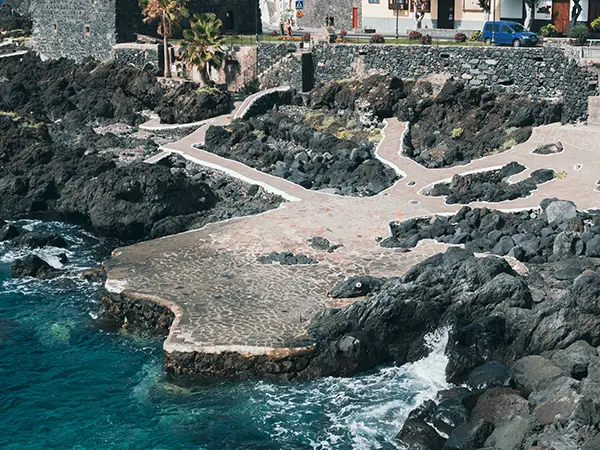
x,y
229,302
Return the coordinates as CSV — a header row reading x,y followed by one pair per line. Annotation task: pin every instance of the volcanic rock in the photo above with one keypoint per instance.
x,y
32,266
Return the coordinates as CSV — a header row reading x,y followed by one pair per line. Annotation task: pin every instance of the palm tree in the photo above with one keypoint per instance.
x,y
168,13
201,44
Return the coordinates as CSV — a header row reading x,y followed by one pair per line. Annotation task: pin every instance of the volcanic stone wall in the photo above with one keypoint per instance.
x,y
139,55
82,28
540,72
60,28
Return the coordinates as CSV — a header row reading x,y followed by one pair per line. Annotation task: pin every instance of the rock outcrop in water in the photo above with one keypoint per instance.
x,y
32,266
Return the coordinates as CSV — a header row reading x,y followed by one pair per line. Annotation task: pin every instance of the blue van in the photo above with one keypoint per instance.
x,y
508,33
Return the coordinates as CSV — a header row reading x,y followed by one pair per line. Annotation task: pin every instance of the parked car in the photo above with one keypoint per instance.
x,y
508,33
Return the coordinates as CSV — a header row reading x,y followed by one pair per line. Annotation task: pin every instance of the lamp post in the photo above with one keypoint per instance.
x,y
256,15
397,3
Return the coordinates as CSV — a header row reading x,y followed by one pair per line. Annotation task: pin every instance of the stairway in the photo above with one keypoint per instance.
x,y
593,111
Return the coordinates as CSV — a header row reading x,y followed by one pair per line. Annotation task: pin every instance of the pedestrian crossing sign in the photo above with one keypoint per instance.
x,y
299,4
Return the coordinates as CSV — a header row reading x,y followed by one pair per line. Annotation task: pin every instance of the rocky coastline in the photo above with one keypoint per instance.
x,y
522,346
523,321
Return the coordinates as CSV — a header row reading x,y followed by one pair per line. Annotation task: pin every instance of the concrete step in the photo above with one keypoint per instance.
x,y
593,110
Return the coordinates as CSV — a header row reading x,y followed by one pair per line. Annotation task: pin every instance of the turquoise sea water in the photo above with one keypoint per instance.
x,y
65,384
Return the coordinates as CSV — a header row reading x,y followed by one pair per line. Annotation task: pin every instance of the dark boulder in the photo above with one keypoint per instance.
x,y
469,436
128,201
286,259
35,239
489,375
379,94
532,373
418,435
575,359
32,266
191,103
320,243
499,404
357,287
449,414
9,231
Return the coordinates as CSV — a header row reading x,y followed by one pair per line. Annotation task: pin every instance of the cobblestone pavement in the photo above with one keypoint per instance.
x,y
230,302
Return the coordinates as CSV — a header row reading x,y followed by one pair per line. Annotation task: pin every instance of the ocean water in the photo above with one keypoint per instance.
x,y
66,384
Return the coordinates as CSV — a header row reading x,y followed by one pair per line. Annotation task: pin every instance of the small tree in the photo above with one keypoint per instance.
x,y
168,13
529,8
201,44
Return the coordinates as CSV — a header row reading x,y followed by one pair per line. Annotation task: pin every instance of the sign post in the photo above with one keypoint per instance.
x,y
299,5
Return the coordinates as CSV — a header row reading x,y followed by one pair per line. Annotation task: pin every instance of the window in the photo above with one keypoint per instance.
x,y
87,30
373,1
400,5
422,5
506,29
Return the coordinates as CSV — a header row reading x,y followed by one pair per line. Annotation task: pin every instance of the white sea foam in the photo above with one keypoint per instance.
x,y
367,410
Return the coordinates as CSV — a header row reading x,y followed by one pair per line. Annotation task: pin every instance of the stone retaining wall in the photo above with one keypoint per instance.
x,y
137,313
540,72
278,65
139,55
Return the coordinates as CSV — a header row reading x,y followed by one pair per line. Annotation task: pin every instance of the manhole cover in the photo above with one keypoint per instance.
x,y
578,166
411,183
414,202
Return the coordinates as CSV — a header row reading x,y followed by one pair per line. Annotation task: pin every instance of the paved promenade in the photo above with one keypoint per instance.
x,y
230,302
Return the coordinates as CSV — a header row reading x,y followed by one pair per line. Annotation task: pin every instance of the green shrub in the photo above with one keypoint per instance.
x,y
549,30
596,24
457,132
475,36
580,33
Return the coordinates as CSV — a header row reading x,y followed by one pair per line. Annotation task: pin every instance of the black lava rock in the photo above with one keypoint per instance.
x,y
286,259
32,266
357,287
